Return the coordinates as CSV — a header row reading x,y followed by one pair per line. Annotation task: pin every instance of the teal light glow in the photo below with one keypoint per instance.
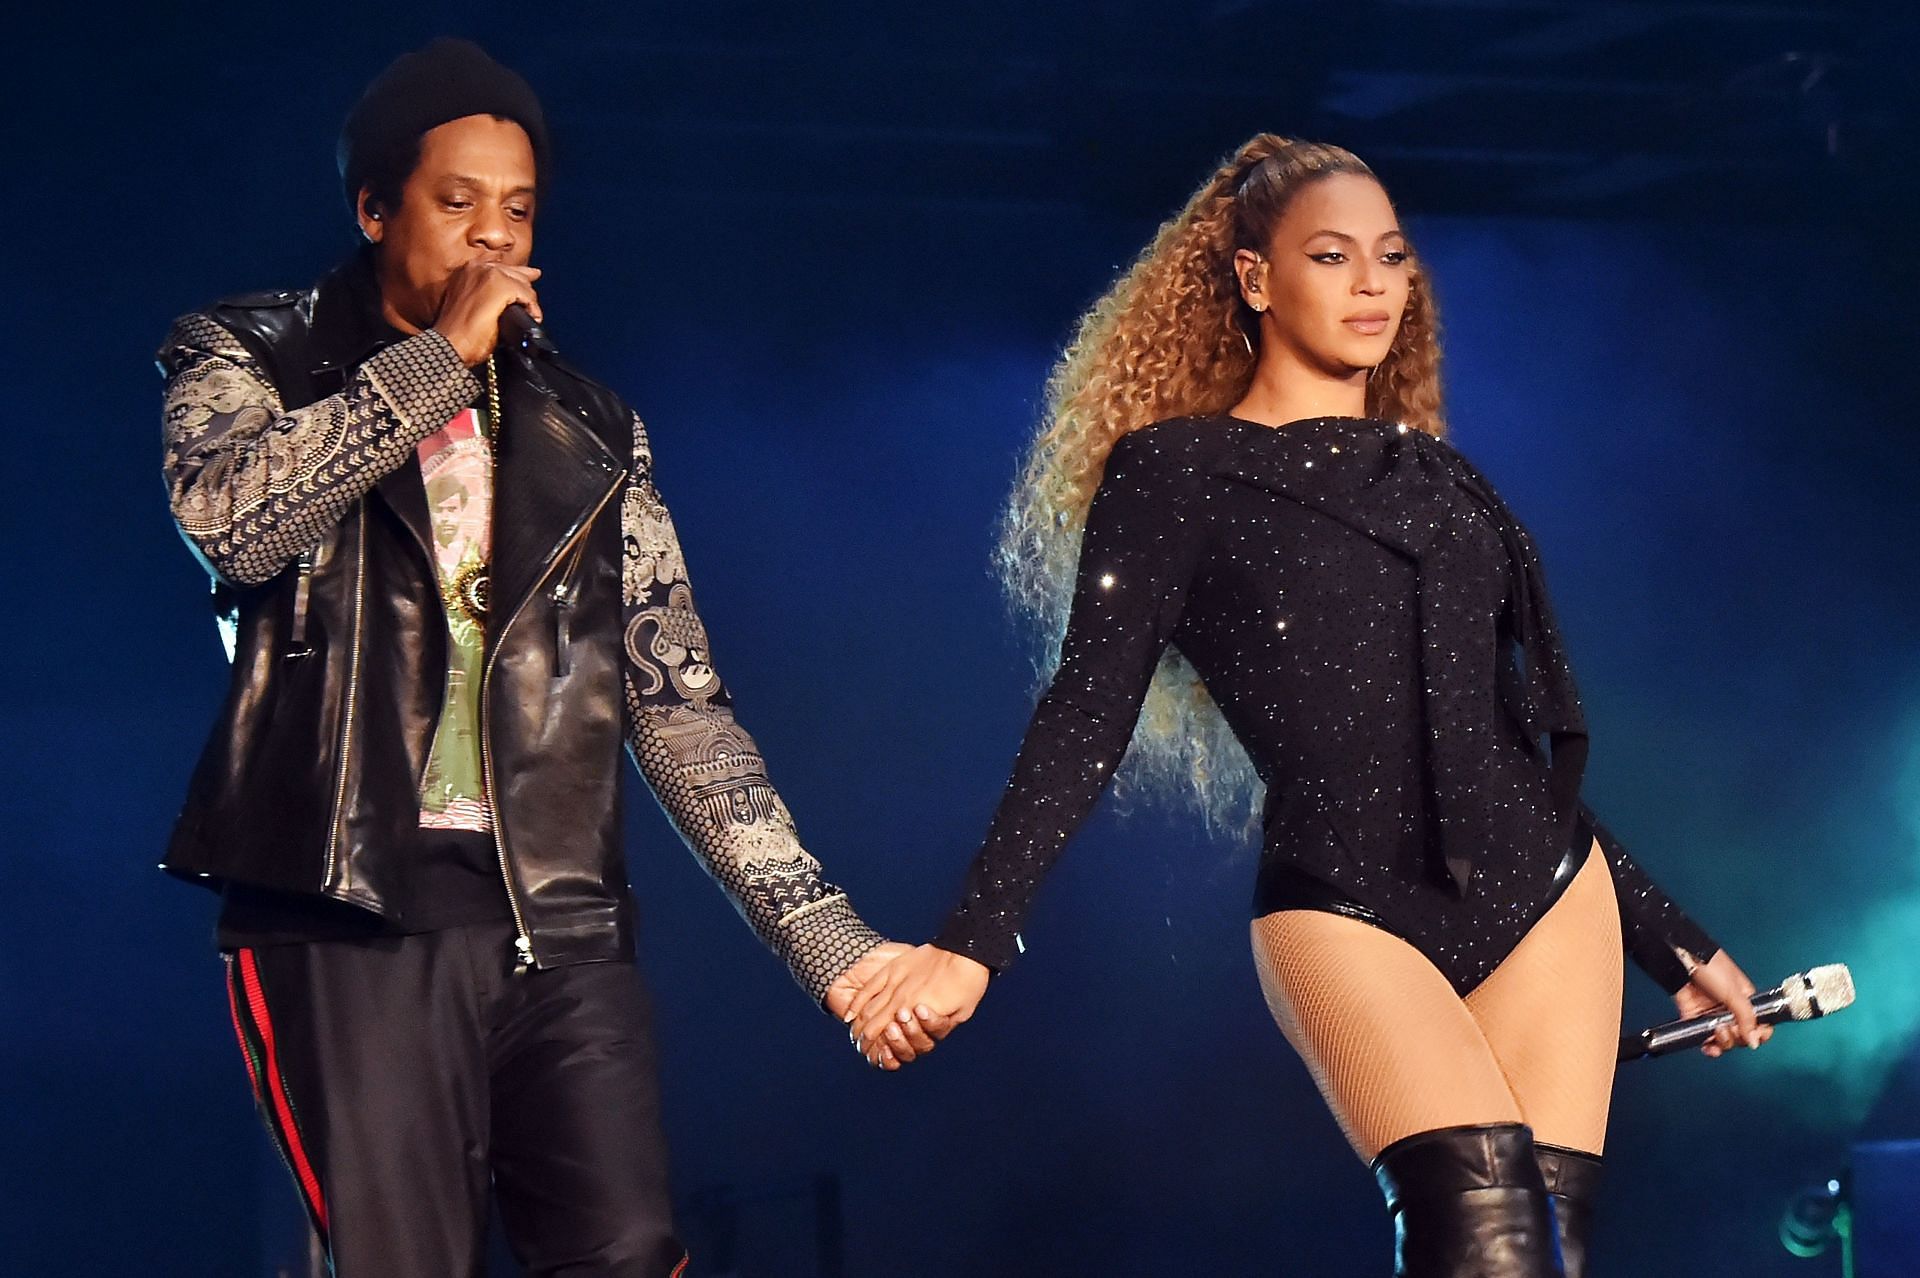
x,y
1867,915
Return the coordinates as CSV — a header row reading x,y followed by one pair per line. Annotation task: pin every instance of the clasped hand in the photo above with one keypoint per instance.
x,y
899,1001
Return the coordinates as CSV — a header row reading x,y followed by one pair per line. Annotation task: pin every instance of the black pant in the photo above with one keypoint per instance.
x,y
400,1076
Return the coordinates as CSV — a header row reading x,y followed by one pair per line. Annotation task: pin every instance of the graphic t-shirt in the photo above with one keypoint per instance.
x,y
457,879
457,464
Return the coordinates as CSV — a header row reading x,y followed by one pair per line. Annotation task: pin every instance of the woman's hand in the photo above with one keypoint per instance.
x,y
932,988
1716,984
912,1037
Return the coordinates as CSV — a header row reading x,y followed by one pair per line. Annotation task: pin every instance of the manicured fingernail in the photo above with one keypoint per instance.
x,y
847,1019
905,1016
924,1012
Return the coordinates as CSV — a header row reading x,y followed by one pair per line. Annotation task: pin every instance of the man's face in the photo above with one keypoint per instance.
x,y
469,199
447,513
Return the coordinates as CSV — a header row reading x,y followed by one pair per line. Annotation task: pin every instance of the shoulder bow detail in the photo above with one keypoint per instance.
x,y
1416,495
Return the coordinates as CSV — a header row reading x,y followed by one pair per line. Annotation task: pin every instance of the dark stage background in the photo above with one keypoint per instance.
x,y
829,255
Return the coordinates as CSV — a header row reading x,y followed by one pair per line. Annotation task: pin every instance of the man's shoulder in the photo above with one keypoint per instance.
x,y
260,300
237,326
267,315
592,398
582,383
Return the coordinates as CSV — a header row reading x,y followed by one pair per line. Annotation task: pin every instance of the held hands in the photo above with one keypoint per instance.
x,y
1716,984
913,1037
927,989
470,309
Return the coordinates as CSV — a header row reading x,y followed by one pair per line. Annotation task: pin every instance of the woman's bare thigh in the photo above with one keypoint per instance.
x,y
1551,1012
1394,1050
1391,1047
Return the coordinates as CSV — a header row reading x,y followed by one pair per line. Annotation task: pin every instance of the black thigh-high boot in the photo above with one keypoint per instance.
x,y
1468,1202
1573,1181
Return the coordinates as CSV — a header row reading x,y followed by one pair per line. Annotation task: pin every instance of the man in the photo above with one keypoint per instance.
x,y
451,588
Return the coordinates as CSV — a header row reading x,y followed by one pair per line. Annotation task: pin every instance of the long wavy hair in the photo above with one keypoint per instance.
x,y
1172,338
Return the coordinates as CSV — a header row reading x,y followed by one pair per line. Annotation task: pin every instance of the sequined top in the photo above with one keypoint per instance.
x,y
1372,622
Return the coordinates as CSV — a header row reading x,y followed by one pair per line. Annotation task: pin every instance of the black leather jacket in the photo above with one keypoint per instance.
x,y
291,424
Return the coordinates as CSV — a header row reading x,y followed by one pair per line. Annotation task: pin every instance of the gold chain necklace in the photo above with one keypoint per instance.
x,y
467,592
493,399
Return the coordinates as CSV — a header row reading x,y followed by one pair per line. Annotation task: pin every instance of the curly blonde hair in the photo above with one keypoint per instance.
x,y
1172,338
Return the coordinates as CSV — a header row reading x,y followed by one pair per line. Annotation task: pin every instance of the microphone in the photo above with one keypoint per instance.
x,y
1801,997
521,331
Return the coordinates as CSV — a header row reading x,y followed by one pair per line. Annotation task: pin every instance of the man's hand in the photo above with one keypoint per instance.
x,y
909,1039
932,988
470,310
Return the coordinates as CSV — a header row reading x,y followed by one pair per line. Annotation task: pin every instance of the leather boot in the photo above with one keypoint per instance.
x,y
1573,1181
1468,1202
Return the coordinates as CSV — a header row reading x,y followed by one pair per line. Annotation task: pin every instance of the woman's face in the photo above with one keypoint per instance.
x,y
1333,282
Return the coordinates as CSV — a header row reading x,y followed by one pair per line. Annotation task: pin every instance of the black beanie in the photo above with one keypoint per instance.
x,y
448,79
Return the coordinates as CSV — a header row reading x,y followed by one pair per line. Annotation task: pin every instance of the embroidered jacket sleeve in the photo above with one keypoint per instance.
x,y
1659,936
250,484
1137,557
703,767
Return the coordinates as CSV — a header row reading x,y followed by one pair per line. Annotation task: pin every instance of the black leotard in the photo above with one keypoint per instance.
x,y
1372,621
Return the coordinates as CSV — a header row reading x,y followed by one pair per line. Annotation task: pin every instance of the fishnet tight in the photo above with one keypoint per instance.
x,y
1395,1051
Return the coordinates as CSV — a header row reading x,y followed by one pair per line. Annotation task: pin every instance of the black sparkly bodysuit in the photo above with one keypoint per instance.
x,y
1372,622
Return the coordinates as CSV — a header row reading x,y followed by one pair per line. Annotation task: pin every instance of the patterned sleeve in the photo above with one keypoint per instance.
x,y
703,767
1662,941
252,485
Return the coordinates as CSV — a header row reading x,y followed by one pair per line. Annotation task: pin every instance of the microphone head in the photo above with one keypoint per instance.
x,y
1818,991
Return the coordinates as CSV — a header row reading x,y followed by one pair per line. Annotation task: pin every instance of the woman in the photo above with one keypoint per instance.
x,y
1276,547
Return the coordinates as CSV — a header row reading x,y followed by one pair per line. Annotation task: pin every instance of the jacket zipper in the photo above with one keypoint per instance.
x,y
297,645
564,595
522,941
353,688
